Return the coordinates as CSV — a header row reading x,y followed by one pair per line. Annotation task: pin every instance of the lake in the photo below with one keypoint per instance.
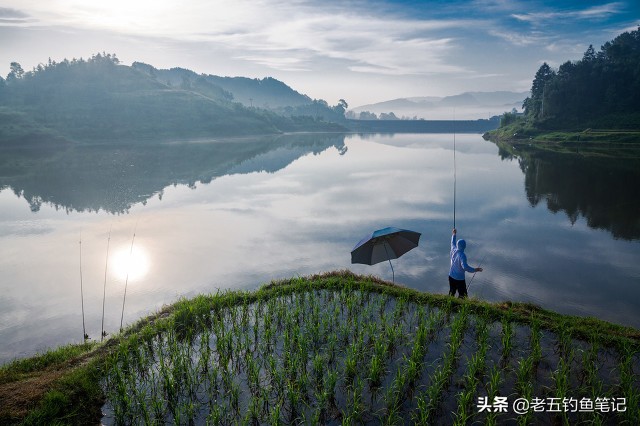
x,y
558,230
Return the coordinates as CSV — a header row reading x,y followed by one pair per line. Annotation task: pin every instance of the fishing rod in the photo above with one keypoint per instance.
x,y
474,274
454,168
84,330
126,281
104,290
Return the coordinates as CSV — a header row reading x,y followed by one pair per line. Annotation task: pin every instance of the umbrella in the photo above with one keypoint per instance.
x,y
384,244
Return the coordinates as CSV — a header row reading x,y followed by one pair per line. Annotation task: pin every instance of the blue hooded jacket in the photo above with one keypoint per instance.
x,y
459,259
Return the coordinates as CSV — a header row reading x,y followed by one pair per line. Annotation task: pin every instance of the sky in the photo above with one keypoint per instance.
x,y
360,51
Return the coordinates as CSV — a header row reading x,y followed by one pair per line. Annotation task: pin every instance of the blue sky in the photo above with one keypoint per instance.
x,y
362,51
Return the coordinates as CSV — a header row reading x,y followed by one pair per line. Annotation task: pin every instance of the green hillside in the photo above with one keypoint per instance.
x,y
100,100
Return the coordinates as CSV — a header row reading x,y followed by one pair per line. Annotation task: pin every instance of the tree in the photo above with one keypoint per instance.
x,y
389,116
534,105
16,72
341,107
589,54
366,115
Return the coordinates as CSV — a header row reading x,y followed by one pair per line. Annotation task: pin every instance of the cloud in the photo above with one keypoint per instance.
x,y
592,13
518,38
13,17
282,35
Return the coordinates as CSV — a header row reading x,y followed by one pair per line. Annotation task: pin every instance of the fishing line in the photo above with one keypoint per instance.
x,y
126,281
474,274
104,290
84,330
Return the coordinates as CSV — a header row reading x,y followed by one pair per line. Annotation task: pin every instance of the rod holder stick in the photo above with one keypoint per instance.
x,y
84,330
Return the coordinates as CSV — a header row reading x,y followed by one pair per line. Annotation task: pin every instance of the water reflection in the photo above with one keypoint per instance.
x,y
603,190
130,264
235,215
113,178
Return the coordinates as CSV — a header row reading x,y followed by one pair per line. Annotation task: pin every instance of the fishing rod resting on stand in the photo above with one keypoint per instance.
x,y
126,281
103,333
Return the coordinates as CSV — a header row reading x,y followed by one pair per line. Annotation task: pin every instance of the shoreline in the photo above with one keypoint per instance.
x,y
72,373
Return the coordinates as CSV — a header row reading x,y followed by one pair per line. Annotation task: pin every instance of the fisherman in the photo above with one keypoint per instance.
x,y
458,267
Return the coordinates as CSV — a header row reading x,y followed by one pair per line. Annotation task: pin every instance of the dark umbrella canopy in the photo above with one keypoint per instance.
x,y
384,244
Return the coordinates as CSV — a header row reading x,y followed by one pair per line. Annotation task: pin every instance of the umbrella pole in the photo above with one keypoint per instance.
x,y
393,274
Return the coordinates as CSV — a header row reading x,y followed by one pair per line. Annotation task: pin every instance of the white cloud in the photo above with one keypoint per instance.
x,y
282,35
592,13
519,39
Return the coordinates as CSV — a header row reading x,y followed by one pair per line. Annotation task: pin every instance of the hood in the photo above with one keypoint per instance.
x,y
461,245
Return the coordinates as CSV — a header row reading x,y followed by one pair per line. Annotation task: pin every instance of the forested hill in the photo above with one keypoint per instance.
x,y
602,90
267,93
99,99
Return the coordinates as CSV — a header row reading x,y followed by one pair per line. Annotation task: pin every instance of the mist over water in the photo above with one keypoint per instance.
x,y
236,214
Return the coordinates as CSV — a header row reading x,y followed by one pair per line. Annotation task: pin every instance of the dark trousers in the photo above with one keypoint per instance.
x,y
457,285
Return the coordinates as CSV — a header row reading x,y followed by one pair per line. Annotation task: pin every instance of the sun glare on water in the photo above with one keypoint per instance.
x,y
132,263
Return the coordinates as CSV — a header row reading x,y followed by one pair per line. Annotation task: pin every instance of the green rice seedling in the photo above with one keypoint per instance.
x,y
495,379
429,400
536,348
253,413
524,385
376,371
463,415
330,382
275,414
627,378
355,404
592,385
293,398
215,417
253,376
561,382
394,337
507,339
412,370
317,367
350,365
234,397
392,397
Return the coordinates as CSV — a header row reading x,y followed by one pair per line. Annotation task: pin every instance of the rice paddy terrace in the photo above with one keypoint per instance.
x,y
346,349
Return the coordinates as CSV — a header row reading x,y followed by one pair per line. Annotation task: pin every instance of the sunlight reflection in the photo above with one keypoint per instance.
x,y
134,263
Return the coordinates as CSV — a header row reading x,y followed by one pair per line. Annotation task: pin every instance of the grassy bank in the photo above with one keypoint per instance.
x,y
600,142
334,348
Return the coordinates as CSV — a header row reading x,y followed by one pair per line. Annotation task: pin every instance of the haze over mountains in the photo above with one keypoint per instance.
x,y
99,99
468,106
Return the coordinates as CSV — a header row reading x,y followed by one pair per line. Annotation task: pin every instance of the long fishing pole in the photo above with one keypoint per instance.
x,y
84,330
454,168
126,281
104,290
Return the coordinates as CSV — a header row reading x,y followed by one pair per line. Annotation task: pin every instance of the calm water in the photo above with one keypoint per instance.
x,y
561,231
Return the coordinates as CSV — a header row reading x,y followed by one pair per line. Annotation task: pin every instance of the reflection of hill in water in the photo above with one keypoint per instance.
x,y
114,178
605,191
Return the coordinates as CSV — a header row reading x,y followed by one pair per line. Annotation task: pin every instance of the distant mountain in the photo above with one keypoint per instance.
x,y
266,93
468,106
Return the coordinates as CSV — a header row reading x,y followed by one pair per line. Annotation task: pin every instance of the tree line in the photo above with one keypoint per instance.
x,y
100,99
602,90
